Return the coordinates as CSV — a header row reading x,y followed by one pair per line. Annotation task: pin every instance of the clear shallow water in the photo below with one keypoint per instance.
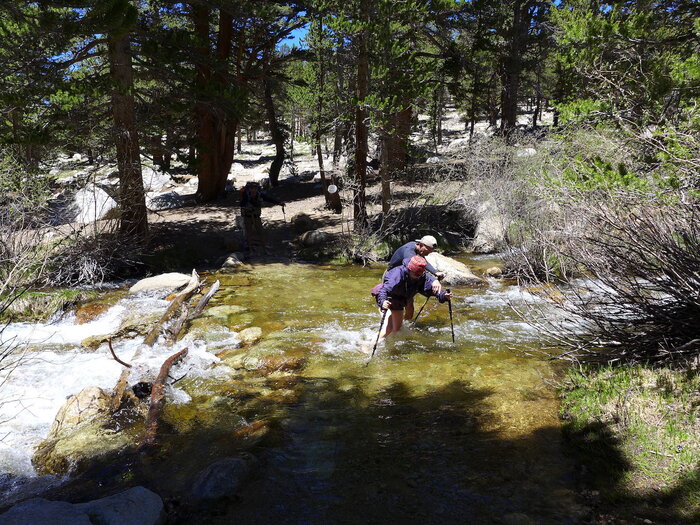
x,y
427,432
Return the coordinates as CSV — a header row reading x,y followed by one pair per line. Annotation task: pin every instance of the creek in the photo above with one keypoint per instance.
x,y
429,431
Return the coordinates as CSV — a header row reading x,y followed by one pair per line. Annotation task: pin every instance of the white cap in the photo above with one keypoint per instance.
x,y
429,241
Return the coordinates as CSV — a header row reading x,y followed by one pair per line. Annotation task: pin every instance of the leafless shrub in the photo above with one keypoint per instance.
x,y
435,205
640,299
610,239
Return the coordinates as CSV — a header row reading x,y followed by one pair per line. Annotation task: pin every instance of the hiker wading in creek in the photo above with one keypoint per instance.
x,y
252,197
423,246
400,285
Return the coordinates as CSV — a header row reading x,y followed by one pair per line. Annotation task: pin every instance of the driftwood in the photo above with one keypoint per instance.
x,y
109,343
180,299
158,400
204,300
120,390
185,316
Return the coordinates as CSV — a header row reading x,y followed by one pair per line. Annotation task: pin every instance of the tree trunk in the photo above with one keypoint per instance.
x,y
513,65
361,131
168,149
276,133
216,128
332,199
441,101
394,148
134,219
339,130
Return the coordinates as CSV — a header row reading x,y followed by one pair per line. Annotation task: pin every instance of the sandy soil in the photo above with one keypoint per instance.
x,y
214,230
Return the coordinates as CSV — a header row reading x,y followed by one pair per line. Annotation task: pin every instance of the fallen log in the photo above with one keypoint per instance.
x,y
158,400
180,299
185,316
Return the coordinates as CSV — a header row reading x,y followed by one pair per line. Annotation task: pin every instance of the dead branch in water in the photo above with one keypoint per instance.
x,y
158,400
186,316
120,390
179,300
204,300
109,343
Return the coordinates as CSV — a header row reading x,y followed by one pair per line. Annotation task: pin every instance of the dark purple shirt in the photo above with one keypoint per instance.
x,y
398,284
407,251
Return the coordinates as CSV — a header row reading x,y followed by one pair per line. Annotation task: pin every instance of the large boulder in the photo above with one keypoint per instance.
x,y
37,511
88,404
455,271
73,451
301,222
136,506
315,238
78,434
92,203
164,200
232,261
154,180
166,282
491,228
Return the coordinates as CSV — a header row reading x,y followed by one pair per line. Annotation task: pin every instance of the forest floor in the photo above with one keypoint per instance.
x,y
203,235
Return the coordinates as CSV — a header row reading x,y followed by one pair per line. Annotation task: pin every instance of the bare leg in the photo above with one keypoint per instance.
x,y
409,310
392,324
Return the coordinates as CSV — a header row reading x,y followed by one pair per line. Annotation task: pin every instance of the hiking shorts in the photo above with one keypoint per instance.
x,y
397,303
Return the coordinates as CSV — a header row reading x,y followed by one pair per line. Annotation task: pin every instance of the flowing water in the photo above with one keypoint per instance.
x,y
428,431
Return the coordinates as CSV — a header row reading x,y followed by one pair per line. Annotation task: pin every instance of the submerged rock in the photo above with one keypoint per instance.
x,y
39,510
250,335
224,310
222,478
90,312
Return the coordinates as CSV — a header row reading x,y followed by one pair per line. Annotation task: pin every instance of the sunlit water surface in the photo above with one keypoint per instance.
x,y
428,431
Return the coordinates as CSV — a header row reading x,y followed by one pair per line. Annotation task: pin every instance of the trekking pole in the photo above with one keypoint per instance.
x,y
381,325
452,326
421,309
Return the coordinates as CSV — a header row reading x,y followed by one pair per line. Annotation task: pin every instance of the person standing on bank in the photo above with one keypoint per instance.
x,y
399,287
252,197
424,246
